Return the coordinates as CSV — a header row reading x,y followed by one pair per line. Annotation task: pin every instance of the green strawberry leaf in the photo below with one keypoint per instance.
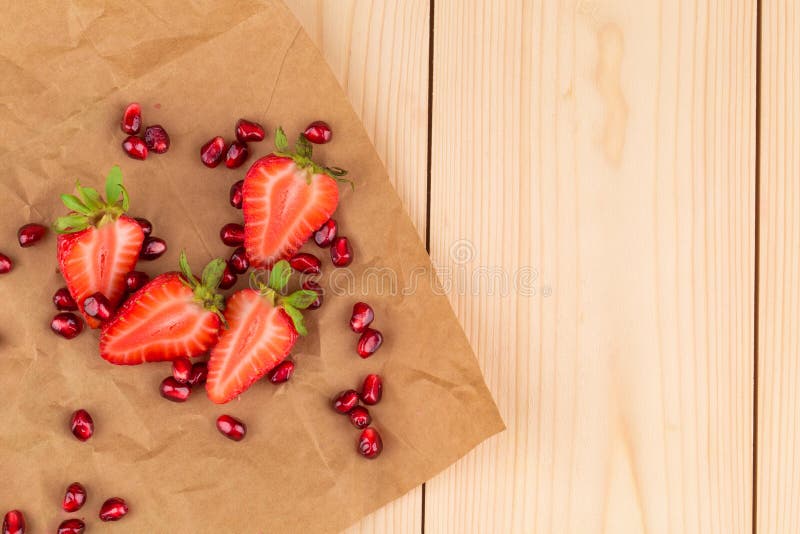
x,y
125,198
91,198
297,318
279,276
114,185
302,147
301,299
71,224
212,273
335,172
75,204
186,270
281,142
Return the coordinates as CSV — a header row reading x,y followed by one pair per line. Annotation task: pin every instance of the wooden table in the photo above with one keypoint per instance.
x,y
634,167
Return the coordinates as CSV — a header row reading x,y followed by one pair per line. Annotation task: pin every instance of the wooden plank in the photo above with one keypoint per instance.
x,y
601,153
379,53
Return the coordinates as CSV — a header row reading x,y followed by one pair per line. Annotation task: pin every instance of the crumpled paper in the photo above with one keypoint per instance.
x,y
67,70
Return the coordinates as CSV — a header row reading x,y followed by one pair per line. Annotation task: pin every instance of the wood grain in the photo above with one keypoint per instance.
x,y
602,152
379,53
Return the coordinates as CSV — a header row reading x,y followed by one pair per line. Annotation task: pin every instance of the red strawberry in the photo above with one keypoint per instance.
x,y
263,326
98,244
173,315
286,198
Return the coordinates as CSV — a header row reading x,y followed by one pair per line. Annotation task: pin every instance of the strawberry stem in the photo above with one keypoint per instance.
x,y
302,157
88,208
205,289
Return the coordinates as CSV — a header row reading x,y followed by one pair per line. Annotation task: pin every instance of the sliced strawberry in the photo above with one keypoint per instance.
x,y
286,198
172,316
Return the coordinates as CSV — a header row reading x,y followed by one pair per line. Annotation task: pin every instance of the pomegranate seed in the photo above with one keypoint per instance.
x,y
135,147
232,234
5,264
63,300
238,262
82,425
370,444
313,286
173,390
370,341
360,417
71,526
132,119
14,522
147,226
236,194
341,253
249,131
74,497
134,280
318,132
113,509
199,374
362,317
231,427
282,372
152,248
236,155
326,233
97,306
181,370
306,263
211,153
345,401
66,324
156,138
372,390
30,234
228,279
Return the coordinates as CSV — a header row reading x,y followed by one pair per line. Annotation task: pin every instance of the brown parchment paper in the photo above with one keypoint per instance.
x,y
67,69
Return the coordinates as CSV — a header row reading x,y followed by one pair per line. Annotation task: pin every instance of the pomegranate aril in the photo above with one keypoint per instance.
x,y
152,248
326,233
370,444
113,509
228,279
63,300
74,497
362,317
30,234
147,226
14,522
238,262
134,280
156,139
313,286
236,155
360,417
71,526
135,147
249,131
236,195
97,306
132,119
232,234
66,324
306,263
212,152
318,132
369,342
82,425
199,374
231,428
372,390
345,401
282,372
5,264
341,253
173,390
181,370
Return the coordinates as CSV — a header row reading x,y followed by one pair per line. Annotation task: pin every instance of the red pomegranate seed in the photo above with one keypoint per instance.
x,y
199,374
181,370
313,286
370,341
228,279
152,248
63,300
156,138
132,119
238,262
71,526
318,132
14,522
360,417
326,233
282,372
212,152
372,390
30,234
5,264
97,306
231,427
66,324
306,263
249,131
113,509
370,444
345,401
74,497
134,280
147,226
232,234
362,317
82,425
341,253
135,147
173,390
236,195
236,155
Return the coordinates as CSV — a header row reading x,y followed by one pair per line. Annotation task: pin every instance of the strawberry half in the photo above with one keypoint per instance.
x,y
172,316
98,244
263,326
286,198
